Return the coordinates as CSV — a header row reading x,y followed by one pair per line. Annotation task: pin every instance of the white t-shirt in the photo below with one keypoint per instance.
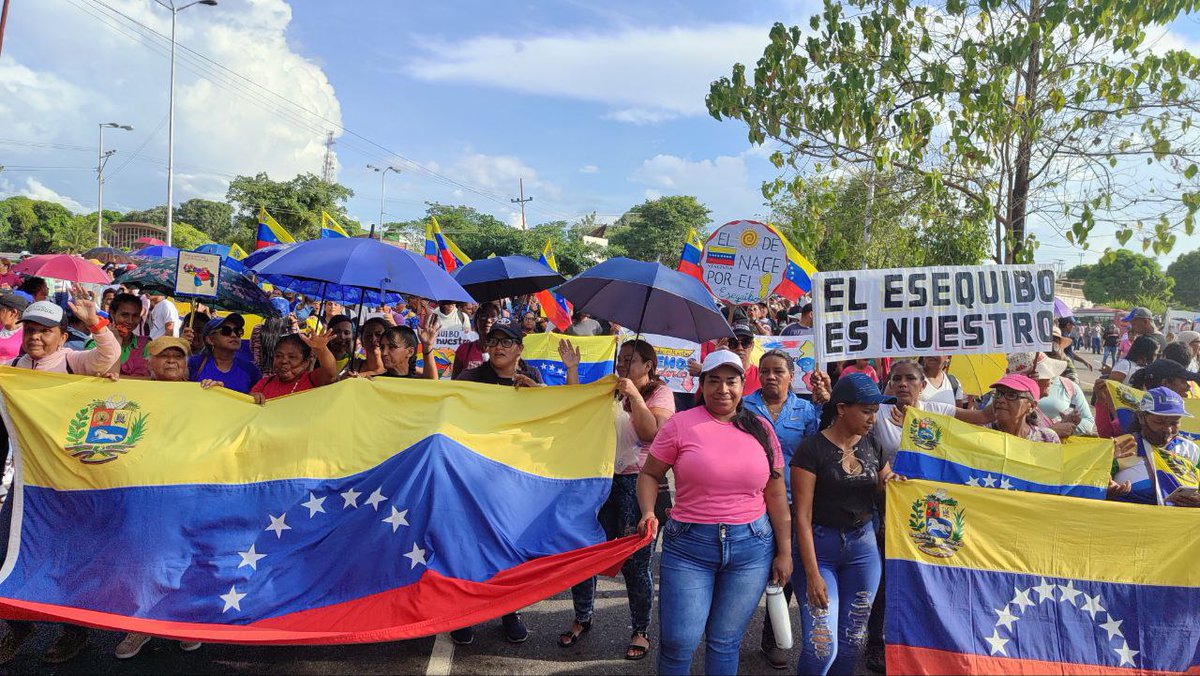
x,y
1125,368
161,315
887,433
946,394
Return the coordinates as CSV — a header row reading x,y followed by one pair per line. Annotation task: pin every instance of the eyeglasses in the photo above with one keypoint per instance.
x,y
1011,395
502,342
744,341
227,330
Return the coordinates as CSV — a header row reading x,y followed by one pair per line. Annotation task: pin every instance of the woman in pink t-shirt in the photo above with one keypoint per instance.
x,y
729,531
646,405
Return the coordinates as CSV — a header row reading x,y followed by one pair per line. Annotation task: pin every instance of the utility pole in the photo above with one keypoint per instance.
x,y
327,168
382,191
522,201
102,159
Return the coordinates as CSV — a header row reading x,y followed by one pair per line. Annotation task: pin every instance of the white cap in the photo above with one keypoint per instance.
x,y
719,358
43,312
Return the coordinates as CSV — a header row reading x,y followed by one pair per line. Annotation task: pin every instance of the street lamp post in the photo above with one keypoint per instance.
x,y
171,110
101,160
382,186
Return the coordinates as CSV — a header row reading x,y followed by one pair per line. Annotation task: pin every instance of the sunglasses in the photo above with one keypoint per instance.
x,y
502,342
227,330
744,341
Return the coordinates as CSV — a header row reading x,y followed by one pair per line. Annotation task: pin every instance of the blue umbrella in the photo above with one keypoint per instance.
x,y
503,276
157,251
647,298
313,289
222,250
364,264
259,255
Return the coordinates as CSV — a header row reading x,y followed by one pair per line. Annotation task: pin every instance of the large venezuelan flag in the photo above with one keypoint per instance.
x,y
270,232
596,356
993,582
940,448
362,511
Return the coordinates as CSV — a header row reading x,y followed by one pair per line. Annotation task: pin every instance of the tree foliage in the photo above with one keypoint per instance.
x,y
1186,273
1079,273
1026,108
1124,279
656,229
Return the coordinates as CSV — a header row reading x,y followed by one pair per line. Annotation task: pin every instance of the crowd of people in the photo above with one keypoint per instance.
x,y
773,483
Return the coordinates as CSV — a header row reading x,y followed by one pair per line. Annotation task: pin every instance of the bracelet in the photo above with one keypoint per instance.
x,y
100,324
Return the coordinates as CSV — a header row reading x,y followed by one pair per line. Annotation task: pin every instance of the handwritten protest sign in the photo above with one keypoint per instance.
x,y
933,310
1179,320
446,344
743,261
803,353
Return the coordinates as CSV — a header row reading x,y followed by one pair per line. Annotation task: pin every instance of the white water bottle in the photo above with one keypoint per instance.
x,y
781,621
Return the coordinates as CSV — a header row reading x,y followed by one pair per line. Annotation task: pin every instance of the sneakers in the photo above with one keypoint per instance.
x,y
68,646
130,646
13,639
515,630
464,636
189,646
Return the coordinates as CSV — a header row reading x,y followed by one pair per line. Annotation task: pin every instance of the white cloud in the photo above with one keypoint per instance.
x,y
645,75
589,169
35,189
724,183
223,127
500,174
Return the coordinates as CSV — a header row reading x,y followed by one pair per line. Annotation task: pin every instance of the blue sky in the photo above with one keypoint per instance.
x,y
598,106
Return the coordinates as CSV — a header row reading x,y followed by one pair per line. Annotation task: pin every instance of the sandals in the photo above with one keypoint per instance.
x,y
568,639
635,652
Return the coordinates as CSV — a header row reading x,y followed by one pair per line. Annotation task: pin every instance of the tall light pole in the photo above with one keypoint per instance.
x,y
382,186
175,10
101,160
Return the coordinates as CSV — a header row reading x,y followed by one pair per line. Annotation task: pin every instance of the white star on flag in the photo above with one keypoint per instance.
x,y
1045,591
351,498
1125,654
278,525
417,555
972,481
1069,592
1091,605
1021,599
314,505
250,558
376,498
232,600
996,642
1005,618
989,481
1113,627
1005,484
397,519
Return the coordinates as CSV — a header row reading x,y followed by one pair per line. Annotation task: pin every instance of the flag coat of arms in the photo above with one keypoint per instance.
x,y
362,511
983,581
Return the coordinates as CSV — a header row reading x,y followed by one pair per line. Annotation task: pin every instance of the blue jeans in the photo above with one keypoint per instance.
x,y
1110,353
619,517
832,638
712,578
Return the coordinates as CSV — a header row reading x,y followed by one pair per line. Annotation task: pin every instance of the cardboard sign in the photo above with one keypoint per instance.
x,y
933,311
743,261
1179,320
673,355
197,274
803,353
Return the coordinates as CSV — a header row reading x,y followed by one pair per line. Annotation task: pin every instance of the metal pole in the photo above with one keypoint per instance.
x,y
382,188
171,134
100,189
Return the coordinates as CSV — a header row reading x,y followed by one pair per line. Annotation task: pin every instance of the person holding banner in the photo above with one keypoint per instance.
x,y
293,372
836,476
729,532
220,361
1016,407
1166,467
397,353
793,419
646,404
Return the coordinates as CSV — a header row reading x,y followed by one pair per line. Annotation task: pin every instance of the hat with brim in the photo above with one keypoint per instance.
x,y
1048,368
1165,369
12,301
509,329
718,358
1138,313
156,346
1164,401
858,388
45,313
1183,337
741,328
1020,383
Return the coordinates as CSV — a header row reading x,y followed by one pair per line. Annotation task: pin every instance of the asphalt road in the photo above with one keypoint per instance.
x,y
600,652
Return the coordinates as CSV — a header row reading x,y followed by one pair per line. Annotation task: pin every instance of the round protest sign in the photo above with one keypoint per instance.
x,y
743,261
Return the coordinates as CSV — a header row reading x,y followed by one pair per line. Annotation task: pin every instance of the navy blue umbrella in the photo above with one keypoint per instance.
x,y
366,265
647,298
346,295
504,276
259,255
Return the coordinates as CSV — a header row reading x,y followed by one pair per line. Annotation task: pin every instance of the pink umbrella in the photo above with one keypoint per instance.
x,y
62,266
149,241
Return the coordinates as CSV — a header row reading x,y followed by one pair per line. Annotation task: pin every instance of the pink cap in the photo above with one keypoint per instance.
x,y
1020,383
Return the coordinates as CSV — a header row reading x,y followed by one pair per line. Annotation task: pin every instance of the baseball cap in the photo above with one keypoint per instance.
x,y
857,388
13,301
741,328
45,313
1020,383
1184,337
161,343
508,328
718,358
216,323
1138,313
1161,369
1164,401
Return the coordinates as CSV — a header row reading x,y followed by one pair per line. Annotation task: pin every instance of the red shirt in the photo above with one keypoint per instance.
x,y
273,387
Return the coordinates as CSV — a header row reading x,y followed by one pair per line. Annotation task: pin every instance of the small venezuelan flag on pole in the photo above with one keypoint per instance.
x,y
330,228
689,260
554,307
439,249
270,232
797,276
236,252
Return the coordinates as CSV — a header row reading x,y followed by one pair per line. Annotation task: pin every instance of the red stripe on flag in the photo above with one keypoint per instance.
x,y
433,605
911,660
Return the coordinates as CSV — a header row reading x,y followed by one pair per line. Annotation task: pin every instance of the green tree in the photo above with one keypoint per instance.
x,y
1008,103
154,216
1124,278
76,235
185,236
1079,273
296,204
215,219
1186,273
656,229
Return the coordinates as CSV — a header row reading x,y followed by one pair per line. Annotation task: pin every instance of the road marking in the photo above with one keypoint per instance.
x,y
441,657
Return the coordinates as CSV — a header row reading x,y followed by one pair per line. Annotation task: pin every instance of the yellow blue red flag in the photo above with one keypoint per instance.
x,y
1156,471
689,260
797,274
940,448
994,582
270,232
236,252
441,250
330,228
555,308
596,356
361,511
